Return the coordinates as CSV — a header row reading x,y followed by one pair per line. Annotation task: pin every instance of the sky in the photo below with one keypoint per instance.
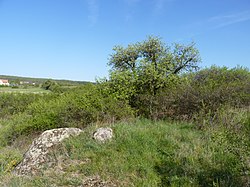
x,y
73,39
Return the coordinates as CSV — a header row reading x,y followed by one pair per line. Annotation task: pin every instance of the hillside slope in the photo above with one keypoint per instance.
x,y
41,80
143,153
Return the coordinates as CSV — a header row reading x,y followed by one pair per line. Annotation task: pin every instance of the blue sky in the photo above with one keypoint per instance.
x,y
72,39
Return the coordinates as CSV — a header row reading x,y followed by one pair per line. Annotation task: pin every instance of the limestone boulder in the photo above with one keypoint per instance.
x,y
37,155
103,134
96,181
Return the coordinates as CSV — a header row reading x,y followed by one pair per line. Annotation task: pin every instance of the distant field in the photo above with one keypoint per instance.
x,y
22,90
38,81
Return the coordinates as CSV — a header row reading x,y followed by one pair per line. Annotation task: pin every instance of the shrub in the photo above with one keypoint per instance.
x,y
52,86
13,103
218,86
205,90
76,108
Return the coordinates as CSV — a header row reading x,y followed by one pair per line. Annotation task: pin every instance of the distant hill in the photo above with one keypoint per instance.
x,y
17,79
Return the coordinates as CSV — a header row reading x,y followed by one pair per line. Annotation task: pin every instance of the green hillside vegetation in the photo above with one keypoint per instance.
x,y
23,90
174,124
17,79
38,85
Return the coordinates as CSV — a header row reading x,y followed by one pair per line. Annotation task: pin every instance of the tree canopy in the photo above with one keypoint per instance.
x,y
152,63
176,59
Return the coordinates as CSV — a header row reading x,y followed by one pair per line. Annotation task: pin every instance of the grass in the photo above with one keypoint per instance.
x,y
145,153
23,90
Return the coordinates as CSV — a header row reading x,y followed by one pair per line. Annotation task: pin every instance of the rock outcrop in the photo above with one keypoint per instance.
x,y
103,134
96,181
37,155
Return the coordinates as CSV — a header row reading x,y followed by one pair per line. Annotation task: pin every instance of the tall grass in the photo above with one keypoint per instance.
x,y
148,153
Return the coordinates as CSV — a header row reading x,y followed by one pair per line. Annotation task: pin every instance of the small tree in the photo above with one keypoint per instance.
x,y
151,62
51,85
141,70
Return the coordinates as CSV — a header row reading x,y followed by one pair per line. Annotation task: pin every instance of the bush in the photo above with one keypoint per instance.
x,y
52,86
13,103
76,108
205,90
218,86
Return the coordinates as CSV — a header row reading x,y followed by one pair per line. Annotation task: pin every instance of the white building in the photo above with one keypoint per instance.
x,y
4,82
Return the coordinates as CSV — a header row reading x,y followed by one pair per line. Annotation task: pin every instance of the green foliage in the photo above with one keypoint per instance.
x,y
13,103
229,129
224,85
155,81
122,85
155,52
9,158
151,63
38,81
76,108
200,93
51,85
146,153
160,154
89,104
184,58
141,71
149,75
213,87
3,86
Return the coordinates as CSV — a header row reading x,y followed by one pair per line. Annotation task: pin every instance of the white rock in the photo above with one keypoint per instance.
x,y
37,155
103,134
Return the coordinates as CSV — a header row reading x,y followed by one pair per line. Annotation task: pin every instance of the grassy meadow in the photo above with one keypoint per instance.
x,y
23,90
143,153
193,132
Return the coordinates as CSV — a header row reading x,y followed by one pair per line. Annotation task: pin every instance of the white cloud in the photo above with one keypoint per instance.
x,y
93,9
160,5
156,7
229,19
216,22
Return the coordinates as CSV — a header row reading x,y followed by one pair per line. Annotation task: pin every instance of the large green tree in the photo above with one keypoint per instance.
x,y
151,63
